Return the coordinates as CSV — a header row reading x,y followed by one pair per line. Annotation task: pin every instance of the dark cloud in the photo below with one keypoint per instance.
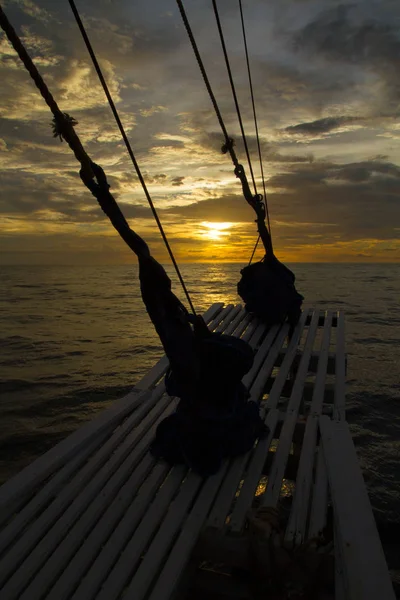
x,y
352,36
177,181
321,125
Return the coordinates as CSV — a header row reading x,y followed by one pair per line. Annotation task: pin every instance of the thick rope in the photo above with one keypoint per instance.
x,y
63,123
92,175
255,118
235,98
128,145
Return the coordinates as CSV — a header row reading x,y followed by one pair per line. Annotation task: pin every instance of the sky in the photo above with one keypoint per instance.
x,y
327,94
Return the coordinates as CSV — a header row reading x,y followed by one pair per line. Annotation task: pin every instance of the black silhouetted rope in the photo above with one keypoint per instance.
x,y
235,98
63,123
254,249
127,144
228,147
255,120
63,126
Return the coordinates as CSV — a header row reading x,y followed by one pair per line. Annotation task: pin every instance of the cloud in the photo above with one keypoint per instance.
x,y
322,126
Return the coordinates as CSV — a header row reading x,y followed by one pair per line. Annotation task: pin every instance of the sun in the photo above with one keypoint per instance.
x,y
215,231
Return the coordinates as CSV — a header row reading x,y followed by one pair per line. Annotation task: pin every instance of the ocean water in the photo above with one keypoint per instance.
x,y
75,338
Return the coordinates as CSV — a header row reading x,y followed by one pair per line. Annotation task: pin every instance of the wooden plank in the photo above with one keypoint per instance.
x,y
226,494
320,498
284,371
229,317
160,543
313,366
260,355
259,456
271,495
75,496
111,500
258,386
251,328
253,474
92,546
340,381
241,315
140,510
180,554
296,528
222,315
295,531
31,511
30,477
365,570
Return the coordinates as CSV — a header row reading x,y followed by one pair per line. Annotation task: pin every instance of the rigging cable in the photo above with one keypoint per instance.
x,y
228,146
127,144
255,118
221,35
256,200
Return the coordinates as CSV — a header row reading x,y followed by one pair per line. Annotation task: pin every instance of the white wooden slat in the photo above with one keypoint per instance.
x,y
85,554
365,569
295,531
10,533
124,531
260,355
153,376
259,456
296,528
247,332
284,370
45,465
320,498
162,542
236,321
253,474
319,387
242,324
258,386
253,335
236,472
212,312
340,378
158,370
28,544
161,511
222,315
60,554
180,553
111,495
227,492
160,479
271,495
227,320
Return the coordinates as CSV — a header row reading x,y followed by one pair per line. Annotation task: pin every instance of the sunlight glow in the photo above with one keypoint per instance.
x,y
215,231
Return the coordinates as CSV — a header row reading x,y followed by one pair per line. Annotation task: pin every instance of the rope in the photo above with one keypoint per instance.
x,y
228,146
255,118
63,127
221,35
128,145
254,249
63,123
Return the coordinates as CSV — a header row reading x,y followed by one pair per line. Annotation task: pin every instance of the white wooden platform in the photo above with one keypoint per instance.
x,y
98,517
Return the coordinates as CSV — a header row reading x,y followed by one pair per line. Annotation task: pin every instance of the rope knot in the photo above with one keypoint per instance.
x,y
228,146
61,124
96,186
